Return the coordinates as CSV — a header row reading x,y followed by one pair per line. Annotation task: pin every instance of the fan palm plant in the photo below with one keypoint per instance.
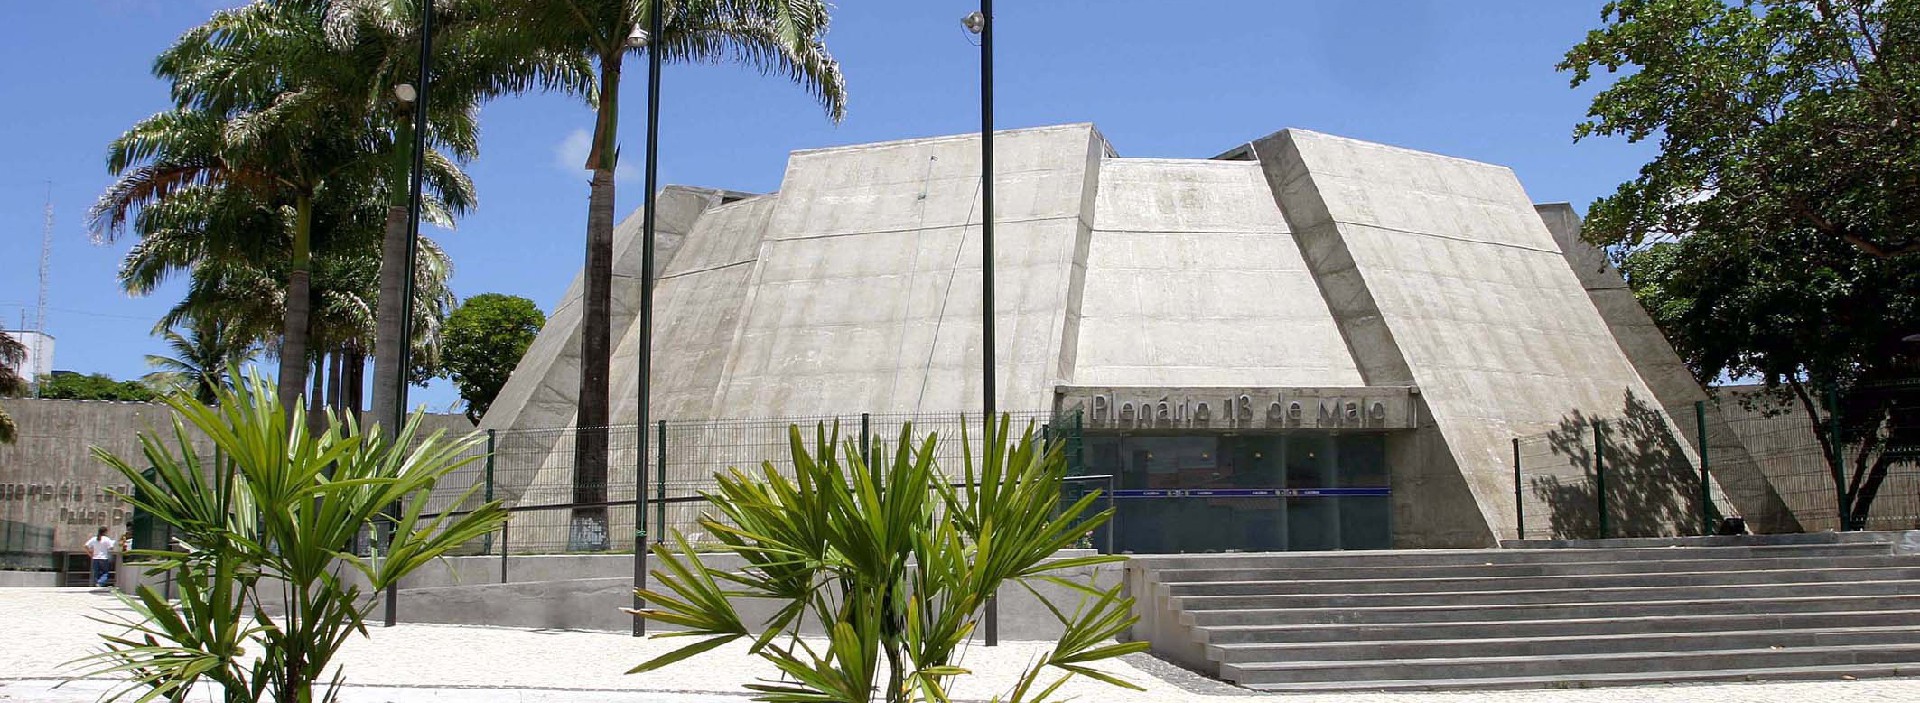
x,y
264,521
780,37
895,561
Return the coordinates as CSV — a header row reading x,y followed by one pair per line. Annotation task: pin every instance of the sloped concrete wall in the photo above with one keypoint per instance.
x,y
544,390
1193,279
1667,376
865,294
1443,276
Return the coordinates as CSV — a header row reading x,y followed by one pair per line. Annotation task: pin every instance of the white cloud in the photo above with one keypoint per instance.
x,y
570,156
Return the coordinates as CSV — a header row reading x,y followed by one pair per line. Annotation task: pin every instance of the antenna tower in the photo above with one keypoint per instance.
x,y
46,265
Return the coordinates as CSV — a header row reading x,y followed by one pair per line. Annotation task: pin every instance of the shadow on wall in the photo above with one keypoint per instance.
x,y
1652,489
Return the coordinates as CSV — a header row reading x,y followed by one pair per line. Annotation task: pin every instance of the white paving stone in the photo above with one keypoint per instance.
x,y
46,628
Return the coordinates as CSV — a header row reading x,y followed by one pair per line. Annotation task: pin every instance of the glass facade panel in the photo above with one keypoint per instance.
x,y
1253,492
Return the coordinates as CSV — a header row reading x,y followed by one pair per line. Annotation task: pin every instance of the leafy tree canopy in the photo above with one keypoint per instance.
x,y
1767,237
99,386
1772,115
482,343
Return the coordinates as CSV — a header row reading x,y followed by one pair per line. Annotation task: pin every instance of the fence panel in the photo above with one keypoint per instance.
x,y
532,471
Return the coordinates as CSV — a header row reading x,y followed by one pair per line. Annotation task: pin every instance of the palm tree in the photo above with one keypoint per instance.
x,y
12,355
478,54
232,248
203,357
784,37
291,100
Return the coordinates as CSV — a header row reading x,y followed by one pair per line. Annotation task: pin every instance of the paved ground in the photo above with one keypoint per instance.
x,y
46,628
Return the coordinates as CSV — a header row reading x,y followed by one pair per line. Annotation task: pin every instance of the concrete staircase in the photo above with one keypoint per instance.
x,y
1608,614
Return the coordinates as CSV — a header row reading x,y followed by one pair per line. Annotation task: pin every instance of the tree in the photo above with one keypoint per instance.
x,y
12,355
483,342
202,358
1821,323
895,561
1772,115
270,102
263,523
784,37
62,385
478,54
1766,238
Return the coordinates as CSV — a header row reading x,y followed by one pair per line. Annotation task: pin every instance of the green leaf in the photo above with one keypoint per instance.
x,y
683,653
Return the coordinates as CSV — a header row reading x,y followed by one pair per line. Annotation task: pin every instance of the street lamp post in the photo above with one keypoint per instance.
x,y
646,311
416,94
981,23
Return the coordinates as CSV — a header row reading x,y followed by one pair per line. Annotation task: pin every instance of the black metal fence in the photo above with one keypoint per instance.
x,y
655,481
1778,461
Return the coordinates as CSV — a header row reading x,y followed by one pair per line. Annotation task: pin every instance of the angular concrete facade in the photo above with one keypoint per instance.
x,y
1299,274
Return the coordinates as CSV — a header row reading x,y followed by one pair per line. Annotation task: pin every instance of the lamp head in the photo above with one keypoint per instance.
x,y
405,92
974,22
638,38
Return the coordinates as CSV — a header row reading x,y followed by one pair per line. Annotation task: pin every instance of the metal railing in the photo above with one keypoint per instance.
x,y
532,471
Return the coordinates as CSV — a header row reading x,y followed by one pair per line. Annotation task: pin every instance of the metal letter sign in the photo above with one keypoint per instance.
x,y
1371,407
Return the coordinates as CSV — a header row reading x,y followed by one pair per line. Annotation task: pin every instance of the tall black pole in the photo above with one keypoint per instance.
x,y
646,313
398,412
986,216
986,263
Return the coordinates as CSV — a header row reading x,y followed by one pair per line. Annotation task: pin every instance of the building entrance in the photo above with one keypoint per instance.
x,y
1217,492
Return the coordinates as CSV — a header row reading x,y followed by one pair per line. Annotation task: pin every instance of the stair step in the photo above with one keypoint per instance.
x,y
1541,611
1520,569
1494,644
1640,678
1344,632
1568,665
1606,614
1625,594
1521,583
1496,556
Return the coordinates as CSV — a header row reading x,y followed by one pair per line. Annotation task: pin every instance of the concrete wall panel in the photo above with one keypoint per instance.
x,y
1443,260
1194,280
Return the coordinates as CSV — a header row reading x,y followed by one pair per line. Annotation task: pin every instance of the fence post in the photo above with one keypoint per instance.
x,y
1519,506
505,527
660,487
639,517
1835,463
1706,496
1113,523
1600,477
488,497
866,438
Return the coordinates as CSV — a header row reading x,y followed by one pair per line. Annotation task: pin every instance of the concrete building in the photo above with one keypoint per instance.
x,y
1307,342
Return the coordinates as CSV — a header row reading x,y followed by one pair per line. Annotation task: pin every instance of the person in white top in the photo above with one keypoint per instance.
x,y
101,548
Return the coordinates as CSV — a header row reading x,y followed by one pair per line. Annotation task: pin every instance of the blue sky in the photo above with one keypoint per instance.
x,y
1468,78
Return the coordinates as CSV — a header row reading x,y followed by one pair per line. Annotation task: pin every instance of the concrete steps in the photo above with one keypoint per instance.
x,y
1519,618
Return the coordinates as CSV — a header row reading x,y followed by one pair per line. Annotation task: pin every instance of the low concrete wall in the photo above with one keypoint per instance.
x,y
49,477
36,579
594,602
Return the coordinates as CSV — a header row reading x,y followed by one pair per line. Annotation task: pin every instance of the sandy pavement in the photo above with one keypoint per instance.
x,y
47,628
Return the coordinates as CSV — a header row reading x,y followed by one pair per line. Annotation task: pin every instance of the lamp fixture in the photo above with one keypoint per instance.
x,y
974,22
